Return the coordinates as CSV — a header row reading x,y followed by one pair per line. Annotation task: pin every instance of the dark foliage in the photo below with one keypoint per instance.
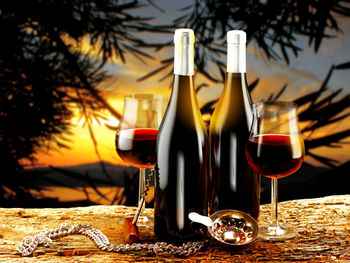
x,y
308,183
44,75
269,24
329,109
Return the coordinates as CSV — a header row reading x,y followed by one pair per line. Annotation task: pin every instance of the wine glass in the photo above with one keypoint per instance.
x,y
136,137
275,149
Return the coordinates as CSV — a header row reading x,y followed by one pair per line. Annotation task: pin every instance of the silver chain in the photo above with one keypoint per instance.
x,y
44,238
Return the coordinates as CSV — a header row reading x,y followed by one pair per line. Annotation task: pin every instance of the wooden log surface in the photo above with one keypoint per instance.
x,y
323,226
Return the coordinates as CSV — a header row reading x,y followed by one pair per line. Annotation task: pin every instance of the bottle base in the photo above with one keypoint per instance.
x,y
196,232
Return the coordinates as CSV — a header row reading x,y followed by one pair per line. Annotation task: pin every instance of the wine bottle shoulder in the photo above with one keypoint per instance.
x,y
182,128
234,108
228,118
183,111
174,129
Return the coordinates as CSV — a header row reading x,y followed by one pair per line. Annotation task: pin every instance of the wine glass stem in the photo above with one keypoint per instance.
x,y
142,178
274,201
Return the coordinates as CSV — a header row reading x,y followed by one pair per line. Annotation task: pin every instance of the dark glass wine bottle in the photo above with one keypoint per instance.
x,y
232,183
181,173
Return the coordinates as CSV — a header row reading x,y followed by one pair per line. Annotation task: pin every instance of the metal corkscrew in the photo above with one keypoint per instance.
x,y
143,196
130,230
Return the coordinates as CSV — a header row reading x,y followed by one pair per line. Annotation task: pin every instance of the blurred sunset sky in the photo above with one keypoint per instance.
x,y
305,73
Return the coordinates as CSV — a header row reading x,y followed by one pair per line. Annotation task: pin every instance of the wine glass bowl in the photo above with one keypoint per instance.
x,y
137,146
274,155
275,149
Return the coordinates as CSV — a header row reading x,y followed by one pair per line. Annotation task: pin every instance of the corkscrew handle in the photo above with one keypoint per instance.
x,y
130,231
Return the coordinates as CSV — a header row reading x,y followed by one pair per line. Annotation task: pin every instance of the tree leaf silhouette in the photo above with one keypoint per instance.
x,y
343,66
45,75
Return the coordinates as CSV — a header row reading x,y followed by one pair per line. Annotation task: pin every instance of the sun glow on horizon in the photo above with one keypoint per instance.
x,y
82,148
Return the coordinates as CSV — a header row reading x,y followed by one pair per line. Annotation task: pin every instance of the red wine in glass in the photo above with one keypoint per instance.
x,y
137,146
274,155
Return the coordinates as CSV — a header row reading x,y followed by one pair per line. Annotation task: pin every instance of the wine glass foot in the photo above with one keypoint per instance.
x,y
275,233
144,221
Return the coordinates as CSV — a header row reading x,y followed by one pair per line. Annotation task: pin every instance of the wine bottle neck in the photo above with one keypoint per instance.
x,y
183,59
184,52
236,58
